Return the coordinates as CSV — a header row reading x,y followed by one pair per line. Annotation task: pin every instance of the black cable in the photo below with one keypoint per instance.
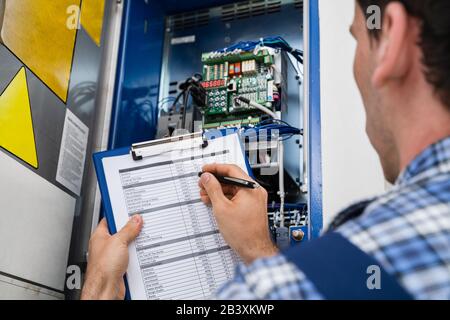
x,y
185,102
176,101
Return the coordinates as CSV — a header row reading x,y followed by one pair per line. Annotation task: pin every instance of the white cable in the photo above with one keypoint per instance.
x,y
264,109
282,192
281,179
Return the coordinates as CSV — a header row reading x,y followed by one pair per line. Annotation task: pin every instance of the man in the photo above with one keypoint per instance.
x,y
403,73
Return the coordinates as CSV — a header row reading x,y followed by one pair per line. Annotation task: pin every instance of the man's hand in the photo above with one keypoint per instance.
x,y
240,213
108,261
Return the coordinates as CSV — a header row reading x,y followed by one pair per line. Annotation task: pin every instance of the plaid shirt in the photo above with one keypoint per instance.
x,y
407,230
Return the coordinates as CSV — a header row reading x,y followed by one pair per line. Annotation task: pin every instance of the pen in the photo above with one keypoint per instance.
x,y
234,181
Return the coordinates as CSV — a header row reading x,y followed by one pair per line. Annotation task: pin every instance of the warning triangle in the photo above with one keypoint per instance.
x,y
16,124
92,12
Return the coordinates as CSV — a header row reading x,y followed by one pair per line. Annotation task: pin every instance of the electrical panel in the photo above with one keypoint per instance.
x,y
246,89
253,86
227,76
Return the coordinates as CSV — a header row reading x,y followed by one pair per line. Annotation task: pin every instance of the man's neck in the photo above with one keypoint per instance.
x,y
427,123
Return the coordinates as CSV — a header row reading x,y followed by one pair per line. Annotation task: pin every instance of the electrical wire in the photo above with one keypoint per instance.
x,y
280,127
185,106
276,42
289,206
281,192
287,130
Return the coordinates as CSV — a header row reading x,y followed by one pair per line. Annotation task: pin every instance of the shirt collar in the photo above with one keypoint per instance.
x,y
434,160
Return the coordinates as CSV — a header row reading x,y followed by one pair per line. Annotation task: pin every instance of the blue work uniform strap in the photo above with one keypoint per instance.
x,y
341,271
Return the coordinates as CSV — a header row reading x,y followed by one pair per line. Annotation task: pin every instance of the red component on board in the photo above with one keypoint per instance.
x,y
231,70
237,68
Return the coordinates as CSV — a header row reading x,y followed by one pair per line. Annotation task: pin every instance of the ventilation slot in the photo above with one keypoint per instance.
x,y
273,7
249,9
189,20
298,4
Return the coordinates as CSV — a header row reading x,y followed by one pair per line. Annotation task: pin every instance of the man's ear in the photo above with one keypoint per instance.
x,y
391,51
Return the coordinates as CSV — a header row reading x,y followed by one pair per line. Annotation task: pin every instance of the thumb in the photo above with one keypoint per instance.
x,y
213,189
131,230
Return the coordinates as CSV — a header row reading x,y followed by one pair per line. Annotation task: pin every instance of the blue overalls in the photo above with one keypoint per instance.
x,y
339,269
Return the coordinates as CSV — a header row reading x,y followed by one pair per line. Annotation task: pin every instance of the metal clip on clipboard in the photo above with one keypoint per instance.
x,y
140,150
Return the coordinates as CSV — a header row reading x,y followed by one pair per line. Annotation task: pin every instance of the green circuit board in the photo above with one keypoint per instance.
x,y
228,76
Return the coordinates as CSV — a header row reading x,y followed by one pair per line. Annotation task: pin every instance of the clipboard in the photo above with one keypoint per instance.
x,y
138,152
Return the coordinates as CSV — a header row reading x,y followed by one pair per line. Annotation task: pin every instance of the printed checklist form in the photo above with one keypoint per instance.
x,y
180,253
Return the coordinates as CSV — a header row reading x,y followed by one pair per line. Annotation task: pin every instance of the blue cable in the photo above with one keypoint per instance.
x,y
283,129
276,42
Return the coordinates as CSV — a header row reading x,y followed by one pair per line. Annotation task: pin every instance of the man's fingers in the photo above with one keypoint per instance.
x,y
227,190
131,230
211,191
225,187
102,229
213,188
206,200
228,170
103,226
229,195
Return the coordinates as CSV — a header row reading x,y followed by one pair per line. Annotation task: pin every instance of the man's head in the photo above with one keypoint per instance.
x,y
403,73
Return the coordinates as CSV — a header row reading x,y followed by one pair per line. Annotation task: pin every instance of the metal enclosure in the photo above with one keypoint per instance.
x,y
218,27
150,63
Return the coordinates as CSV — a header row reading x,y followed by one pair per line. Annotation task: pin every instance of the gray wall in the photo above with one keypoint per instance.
x,y
48,113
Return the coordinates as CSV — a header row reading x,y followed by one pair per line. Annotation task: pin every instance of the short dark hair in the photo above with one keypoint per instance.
x,y
434,16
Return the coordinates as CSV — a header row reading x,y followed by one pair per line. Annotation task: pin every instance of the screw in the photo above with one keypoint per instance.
x,y
298,235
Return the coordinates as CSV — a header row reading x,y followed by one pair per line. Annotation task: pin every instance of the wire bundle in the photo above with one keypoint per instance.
x,y
283,129
288,206
164,102
276,42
